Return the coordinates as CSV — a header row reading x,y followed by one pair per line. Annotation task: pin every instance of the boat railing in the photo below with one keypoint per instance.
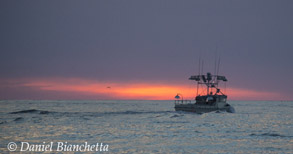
x,y
182,102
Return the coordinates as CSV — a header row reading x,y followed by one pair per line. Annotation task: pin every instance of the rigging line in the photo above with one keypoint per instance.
x,y
202,89
199,66
216,56
197,90
225,87
202,66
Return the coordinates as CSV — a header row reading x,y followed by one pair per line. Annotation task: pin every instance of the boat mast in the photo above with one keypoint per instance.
x,y
211,81
215,80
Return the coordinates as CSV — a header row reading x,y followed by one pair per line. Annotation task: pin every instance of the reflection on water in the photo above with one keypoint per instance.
x,y
150,126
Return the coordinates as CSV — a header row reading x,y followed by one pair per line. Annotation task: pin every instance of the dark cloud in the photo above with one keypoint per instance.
x,y
149,40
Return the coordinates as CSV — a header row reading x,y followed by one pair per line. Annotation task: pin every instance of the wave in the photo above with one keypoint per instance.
x,y
3,122
30,111
24,111
176,115
18,119
35,111
270,134
138,112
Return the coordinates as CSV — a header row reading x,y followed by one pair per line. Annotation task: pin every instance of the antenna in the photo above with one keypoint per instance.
x,y
199,61
218,65
199,65
215,71
202,66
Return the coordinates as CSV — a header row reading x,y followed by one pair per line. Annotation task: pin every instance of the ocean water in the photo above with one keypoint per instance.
x,y
146,127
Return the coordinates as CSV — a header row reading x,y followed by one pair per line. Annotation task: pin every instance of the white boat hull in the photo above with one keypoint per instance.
x,y
203,108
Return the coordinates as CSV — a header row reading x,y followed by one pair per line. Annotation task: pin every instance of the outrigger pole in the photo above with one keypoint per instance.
x,y
199,74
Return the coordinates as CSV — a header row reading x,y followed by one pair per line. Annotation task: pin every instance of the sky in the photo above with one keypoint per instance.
x,y
146,49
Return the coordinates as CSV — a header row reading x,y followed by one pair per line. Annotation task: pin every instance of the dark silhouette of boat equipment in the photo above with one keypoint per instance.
x,y
213,100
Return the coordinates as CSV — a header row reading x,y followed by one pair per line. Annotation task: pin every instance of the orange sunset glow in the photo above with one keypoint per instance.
x,y
131,90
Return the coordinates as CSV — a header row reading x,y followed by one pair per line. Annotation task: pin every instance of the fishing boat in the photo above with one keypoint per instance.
x,y
213,100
